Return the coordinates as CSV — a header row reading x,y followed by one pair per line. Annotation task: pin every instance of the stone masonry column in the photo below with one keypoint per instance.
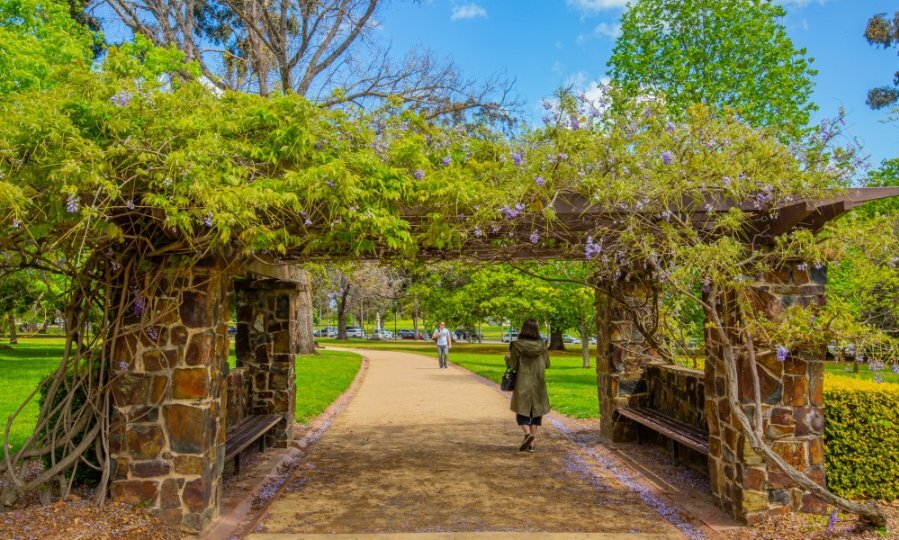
x,y
792,395
622,350
265,344
167,431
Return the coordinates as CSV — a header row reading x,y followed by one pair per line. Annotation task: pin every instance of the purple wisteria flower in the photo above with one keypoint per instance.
x,y
647,113
72,204
831,523
895,368
123,365
208,220
574,123
516,158
667,157
16,223
591,248
669,127
546,119
539,181
478,232
802,267
446,161
519,206
129,204
781,353
535,237
121,98
495,228
563,156
308,222
138,304
418,174
330,184
153,334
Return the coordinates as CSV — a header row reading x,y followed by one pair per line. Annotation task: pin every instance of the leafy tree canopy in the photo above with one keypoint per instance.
x,y
883,32
722,53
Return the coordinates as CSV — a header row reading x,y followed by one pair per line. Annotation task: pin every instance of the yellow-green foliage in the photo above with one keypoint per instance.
x,y
861,435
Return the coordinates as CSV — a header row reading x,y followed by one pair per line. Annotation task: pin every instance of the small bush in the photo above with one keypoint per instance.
x,y
861,437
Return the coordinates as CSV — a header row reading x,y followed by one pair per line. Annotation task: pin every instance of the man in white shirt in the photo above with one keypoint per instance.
x,y
444,343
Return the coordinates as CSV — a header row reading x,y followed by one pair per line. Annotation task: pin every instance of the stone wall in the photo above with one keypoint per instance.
x,y
167,429
237,395
622,351
266,323
792,398
677,392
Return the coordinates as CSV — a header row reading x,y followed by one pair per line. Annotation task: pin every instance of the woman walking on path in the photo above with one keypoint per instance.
x,y
529,358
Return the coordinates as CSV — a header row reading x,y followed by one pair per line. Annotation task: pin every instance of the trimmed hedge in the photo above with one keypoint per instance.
x,y
861,438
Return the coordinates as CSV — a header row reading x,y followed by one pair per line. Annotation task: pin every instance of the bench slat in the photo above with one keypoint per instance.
x,y
248,432
669,428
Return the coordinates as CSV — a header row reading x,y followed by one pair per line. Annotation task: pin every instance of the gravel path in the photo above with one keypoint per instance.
x,y
421,449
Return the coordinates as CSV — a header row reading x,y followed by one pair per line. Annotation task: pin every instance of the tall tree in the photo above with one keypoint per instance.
x,y
883,32
722,53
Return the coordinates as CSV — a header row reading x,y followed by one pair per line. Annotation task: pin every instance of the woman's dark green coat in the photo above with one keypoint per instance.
x,y
530,358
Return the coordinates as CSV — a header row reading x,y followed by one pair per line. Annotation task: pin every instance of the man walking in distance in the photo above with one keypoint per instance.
x,y
444,343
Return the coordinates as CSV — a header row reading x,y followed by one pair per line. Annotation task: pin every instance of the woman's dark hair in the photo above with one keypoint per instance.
x,y
529,330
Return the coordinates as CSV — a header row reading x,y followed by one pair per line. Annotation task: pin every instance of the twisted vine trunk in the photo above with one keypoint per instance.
x,y
305,340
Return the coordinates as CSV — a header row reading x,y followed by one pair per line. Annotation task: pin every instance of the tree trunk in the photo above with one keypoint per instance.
x,y
305,341
415,319
341,311
13,339
555,340
585,344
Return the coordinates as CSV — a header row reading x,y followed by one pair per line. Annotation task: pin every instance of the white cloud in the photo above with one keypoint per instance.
x,y
608,30
597,5
468,11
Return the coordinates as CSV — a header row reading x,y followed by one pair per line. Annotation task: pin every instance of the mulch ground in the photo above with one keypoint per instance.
x,y
805,526
79,518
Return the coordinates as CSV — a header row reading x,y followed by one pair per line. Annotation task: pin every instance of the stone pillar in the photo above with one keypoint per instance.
x,y
622,350
792,395
167,433
266,325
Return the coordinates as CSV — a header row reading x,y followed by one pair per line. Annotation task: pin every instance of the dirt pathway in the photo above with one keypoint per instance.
x,y
421,449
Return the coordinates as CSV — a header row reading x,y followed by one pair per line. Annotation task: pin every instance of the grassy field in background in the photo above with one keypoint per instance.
x,y
21,369
491,333
320,379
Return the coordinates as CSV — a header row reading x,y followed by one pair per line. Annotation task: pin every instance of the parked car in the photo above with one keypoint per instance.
x,y
409,334
592,340
232,330
328,331
381,334
462,334
510,336
567,338
355,332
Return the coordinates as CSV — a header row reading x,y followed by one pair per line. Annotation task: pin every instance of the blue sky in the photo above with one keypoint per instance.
x,y
544,44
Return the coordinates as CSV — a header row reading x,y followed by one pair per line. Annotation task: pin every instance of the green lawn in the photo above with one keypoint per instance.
x,y
20,371
320,379
844,369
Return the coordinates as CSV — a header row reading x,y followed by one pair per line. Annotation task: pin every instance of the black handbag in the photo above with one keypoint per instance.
x,y
508,382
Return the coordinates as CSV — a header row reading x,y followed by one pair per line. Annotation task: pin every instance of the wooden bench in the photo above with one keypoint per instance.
x,y
678,432
248,431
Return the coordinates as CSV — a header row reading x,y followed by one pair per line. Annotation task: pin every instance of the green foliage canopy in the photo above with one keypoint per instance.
x,y
722,53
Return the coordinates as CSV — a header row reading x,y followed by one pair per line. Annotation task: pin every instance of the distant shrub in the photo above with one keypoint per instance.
x,y
861,437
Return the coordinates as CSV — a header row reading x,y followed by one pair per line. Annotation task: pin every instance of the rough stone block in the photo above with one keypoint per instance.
x,y
190,383
189,428
131,390
145,441
200,351
196,494
190,464
149,469
136,492
170,494
158,360
194,310
793,452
